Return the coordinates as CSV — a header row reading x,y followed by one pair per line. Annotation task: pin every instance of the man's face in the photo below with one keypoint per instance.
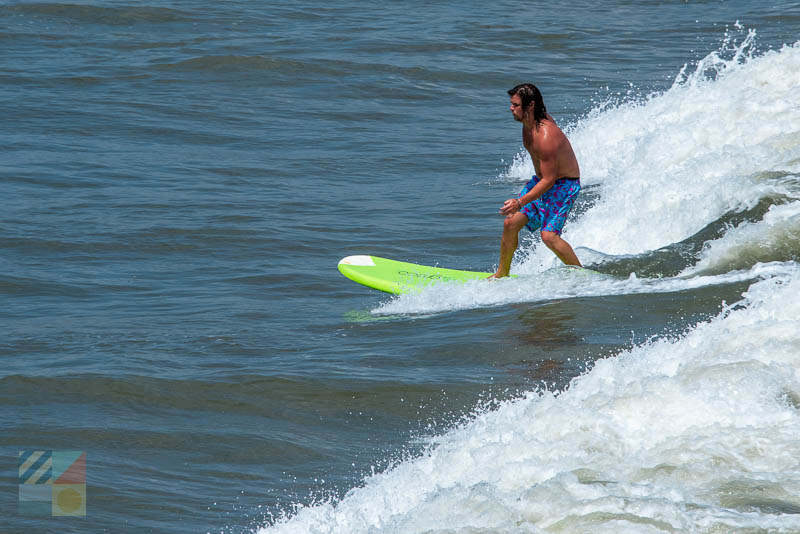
x,y
516,108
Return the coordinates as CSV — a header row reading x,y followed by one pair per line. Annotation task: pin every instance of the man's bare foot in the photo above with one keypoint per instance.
x,y
496,276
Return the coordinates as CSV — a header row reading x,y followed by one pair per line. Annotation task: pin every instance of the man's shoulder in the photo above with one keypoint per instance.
x,y
549,124
552,134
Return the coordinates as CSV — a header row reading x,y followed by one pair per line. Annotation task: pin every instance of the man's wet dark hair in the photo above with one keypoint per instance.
x,y
527,93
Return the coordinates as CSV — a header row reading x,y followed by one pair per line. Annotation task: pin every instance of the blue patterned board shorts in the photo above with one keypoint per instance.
x,y
549,211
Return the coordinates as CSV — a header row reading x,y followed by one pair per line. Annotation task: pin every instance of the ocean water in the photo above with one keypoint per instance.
x,y
180,178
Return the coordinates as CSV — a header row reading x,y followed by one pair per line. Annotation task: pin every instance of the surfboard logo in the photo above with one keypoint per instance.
x,y
424,276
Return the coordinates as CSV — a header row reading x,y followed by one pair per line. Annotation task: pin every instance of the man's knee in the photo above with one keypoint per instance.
x,y
550,239
512,223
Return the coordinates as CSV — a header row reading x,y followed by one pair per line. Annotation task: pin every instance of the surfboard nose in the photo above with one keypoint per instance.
x,y
360,261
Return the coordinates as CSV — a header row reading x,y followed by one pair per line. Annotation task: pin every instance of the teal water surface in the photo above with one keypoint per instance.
x,y
180,179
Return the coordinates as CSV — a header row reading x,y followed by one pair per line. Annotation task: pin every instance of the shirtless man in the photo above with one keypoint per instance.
x,y
546,199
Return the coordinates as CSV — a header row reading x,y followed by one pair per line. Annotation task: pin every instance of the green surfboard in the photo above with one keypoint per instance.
x,y
398,276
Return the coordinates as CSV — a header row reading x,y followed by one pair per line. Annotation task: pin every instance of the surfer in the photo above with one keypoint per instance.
x,y
547,198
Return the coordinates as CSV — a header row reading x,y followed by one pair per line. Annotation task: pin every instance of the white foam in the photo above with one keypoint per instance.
x,y
669,165
695,434
560,284
725,136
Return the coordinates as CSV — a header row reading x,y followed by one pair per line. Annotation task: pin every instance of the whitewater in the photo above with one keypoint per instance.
x,y
708,156
692,432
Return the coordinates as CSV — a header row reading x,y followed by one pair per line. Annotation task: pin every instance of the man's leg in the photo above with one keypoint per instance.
x,y
508,243
561,248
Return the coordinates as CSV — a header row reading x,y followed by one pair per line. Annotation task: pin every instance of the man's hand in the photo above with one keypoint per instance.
x,y
510,206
